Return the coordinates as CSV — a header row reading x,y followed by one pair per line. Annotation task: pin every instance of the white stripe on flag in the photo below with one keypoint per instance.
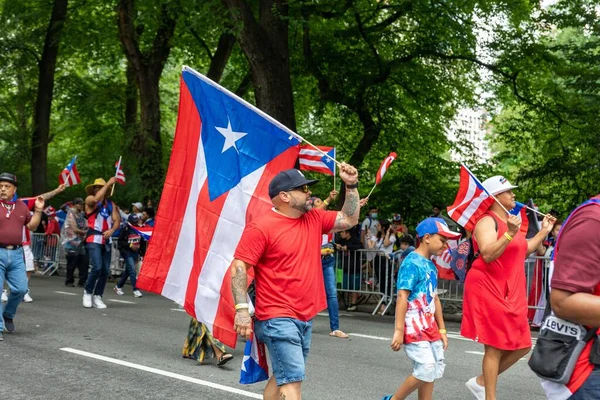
x,y
72,178
183,257
471,190
222,248
312,163
311,152
473,207
65,178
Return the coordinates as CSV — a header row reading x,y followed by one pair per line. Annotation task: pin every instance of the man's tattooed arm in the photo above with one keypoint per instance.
x,y
348,216
239,281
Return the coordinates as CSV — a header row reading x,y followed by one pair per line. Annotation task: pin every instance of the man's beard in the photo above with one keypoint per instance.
x,y
303,207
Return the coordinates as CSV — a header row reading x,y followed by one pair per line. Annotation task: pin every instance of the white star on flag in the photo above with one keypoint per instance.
x,y
230,137
246,358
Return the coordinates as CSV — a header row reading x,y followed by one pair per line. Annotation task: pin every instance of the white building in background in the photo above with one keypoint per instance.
x,y
469,131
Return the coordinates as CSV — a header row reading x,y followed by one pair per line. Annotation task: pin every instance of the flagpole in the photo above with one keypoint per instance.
x,y
489,194
116,173
535,211
369,195
334,156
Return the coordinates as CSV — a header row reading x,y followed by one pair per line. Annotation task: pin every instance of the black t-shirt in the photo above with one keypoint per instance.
x,y
350,262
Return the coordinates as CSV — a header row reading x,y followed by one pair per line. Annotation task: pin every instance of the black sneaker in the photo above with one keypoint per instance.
x,y
9,325
69,284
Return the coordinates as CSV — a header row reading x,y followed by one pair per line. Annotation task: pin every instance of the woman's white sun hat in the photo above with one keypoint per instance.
x,y
497,184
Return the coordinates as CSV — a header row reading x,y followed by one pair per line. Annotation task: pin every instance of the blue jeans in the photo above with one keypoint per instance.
x,y
12,268
100,257
590,388
288,342
333,308
130,260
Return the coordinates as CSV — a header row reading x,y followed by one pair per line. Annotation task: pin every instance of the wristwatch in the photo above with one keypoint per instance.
x,y
355,186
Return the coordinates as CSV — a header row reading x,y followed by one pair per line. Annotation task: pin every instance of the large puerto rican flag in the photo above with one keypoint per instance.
x,y
311,159
472,200
224,155
383,168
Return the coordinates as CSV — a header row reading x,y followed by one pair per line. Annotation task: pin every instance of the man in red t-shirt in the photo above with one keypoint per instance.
x,y
283,246
575,295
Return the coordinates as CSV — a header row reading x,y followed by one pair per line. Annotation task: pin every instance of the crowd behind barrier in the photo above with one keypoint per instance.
x,y
372,274
50,257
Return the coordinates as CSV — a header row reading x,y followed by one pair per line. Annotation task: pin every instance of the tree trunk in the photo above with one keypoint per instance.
x,y
131,103
147,69
265,45
43,104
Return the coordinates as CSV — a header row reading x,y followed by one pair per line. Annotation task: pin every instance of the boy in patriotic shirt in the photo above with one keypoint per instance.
x,y
420,325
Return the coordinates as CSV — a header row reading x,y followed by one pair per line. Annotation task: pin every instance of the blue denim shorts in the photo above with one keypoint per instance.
x,y
427,358
288,342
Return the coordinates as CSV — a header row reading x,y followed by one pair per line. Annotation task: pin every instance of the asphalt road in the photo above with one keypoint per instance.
x,y
132,350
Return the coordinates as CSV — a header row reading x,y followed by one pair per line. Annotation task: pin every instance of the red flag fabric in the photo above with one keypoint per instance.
x,y
471,201
120,175
69,176
385,165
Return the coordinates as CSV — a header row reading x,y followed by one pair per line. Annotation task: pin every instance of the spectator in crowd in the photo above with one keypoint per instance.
x,y
72,238
369,226
14,215
329,274
346,246
575,295
61,214
137,208
495,301
420,324
407,246
398,227
103,219
199,342
383,243
288,274
129,247
148,216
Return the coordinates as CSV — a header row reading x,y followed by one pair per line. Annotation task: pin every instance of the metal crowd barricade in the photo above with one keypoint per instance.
x,y
45,249
537,274
368,272
117,264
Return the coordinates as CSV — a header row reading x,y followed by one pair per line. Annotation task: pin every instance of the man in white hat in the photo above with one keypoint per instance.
x,y
102,219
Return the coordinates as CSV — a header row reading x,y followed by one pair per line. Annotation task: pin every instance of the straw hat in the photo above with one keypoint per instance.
x,y
98,182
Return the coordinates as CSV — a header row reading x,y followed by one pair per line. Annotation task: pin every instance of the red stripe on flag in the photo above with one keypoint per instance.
x,y
173,202
260,203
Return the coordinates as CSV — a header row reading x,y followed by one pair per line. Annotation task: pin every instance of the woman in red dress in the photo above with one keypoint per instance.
x,y
495,301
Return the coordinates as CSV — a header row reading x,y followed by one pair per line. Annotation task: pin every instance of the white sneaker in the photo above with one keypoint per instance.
x,y
87,299
475,388
27,298
119,291
97,302
137,293
4,296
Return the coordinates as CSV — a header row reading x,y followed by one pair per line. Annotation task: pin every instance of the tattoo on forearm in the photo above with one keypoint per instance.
x,y
349,209
239,284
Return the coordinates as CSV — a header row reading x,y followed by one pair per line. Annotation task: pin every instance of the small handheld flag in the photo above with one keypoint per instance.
x,y
144,231
254,364
69,176
120,175
471,201
311,159
383,168
520,211
385,165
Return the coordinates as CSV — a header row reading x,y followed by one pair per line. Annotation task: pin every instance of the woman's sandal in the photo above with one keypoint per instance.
x,y
339,334
224,359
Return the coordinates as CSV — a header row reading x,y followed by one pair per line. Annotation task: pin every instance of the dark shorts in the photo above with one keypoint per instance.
x,y
351,281
288,342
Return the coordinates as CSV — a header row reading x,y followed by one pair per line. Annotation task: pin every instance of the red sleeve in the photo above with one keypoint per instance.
x,y
251,246
327,219
576,266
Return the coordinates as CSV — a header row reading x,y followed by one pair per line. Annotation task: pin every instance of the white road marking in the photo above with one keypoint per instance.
x,y
451,335
67,293
479,353
121,301
164,373
369,336
342,314
178,309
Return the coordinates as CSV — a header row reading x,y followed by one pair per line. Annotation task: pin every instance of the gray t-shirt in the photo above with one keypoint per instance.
x,y
371,225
